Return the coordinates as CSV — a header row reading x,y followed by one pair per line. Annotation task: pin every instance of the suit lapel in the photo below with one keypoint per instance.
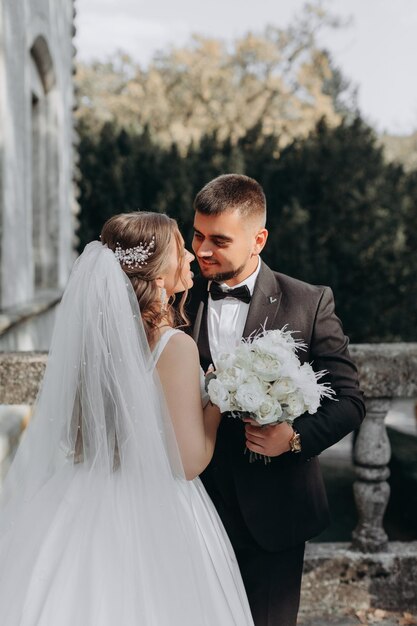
x,y
196,305
265,303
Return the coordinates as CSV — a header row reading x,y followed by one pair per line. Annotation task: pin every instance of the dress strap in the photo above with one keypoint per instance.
x,y
159,347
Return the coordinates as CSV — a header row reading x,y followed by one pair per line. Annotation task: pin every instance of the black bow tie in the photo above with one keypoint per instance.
x,y
240,293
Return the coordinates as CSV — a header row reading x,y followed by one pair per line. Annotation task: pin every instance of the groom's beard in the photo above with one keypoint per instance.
x,y
222,277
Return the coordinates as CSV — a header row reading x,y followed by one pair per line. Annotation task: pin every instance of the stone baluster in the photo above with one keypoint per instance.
x,y
372,453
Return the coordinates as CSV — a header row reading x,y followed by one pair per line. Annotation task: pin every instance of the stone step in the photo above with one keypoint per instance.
x,y
352,622
362,618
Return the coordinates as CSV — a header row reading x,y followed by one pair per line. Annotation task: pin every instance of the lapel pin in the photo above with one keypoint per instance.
x,y
272,299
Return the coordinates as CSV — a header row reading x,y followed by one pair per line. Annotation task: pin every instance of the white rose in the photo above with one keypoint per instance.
x,y
224,361
232,377
266,366
250,395
218,394
281,388
294,404
269,411
287,358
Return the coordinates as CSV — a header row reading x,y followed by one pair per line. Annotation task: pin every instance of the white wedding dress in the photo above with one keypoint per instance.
x,y
133,543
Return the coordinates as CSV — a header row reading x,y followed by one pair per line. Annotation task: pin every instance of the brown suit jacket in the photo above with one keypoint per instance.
x,y
284,503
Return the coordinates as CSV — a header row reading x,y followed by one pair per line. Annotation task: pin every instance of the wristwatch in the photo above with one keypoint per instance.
x,y
295,442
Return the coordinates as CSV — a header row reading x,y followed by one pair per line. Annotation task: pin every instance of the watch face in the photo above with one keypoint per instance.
x,y
295,443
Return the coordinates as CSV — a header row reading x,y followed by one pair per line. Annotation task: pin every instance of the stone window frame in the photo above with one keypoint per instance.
x,y
44,169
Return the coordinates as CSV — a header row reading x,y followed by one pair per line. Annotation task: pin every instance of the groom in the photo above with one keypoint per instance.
x,y
269,511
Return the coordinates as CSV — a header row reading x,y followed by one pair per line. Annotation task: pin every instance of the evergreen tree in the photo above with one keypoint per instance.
x,y
338,214
336,218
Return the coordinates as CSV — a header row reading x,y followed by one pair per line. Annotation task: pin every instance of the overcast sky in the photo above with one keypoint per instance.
x,y
378,51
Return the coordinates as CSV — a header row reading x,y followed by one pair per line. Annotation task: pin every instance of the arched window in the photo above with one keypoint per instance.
x,y
45,177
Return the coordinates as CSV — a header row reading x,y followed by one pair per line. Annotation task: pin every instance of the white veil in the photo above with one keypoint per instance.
x,y
95,503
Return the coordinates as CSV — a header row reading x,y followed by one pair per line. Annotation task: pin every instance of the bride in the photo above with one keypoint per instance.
x,y
103,519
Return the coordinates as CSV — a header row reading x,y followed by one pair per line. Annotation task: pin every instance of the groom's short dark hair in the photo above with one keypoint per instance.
x,y
230,192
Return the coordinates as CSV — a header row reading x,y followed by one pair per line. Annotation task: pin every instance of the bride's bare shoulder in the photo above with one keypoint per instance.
x,y
181,344
178,348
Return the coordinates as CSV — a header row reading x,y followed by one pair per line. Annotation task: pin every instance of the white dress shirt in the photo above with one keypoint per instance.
x,y
226,318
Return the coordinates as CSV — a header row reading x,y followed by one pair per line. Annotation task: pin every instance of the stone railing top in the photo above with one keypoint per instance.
x,y
43,301
386,370
20,376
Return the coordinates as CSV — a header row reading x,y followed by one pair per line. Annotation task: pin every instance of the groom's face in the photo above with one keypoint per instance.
x,y
227,246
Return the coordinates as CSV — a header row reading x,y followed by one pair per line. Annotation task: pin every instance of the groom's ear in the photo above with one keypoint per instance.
x,y
260,240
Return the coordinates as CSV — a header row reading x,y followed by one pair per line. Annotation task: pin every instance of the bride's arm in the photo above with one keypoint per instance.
x,y
195,429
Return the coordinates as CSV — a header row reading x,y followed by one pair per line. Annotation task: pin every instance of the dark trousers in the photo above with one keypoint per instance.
x,y
272,579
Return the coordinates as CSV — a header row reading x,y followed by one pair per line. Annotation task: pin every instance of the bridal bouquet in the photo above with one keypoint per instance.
x,y
263,379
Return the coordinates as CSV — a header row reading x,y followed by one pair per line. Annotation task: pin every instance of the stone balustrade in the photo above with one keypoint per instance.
x,y
387,371
20,376
368,573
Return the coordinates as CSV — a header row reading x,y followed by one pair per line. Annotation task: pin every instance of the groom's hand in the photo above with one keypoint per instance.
x,y
268,440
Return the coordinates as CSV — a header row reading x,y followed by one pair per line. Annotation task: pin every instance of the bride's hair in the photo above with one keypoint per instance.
x,y
128,230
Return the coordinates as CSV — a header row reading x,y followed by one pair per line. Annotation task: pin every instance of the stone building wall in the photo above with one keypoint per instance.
x,y
37,203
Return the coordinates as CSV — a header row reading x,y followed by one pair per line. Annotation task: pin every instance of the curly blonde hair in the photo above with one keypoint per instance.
x,y
130,229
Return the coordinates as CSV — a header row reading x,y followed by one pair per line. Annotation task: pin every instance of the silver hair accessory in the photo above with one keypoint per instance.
x,y
137,256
